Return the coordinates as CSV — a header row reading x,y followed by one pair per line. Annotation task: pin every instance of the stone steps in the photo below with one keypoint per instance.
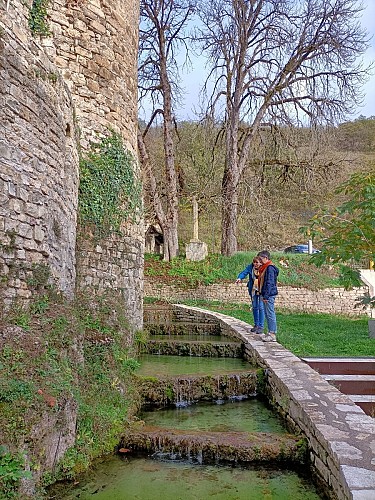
x,y
181,328
204,348
217,447
179,390
354,377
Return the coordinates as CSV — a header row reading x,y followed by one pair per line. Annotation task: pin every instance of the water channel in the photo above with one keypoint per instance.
x,y
190,472
150,479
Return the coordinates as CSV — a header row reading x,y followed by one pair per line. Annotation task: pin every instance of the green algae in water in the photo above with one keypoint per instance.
x,y
154,365
147,479
233,416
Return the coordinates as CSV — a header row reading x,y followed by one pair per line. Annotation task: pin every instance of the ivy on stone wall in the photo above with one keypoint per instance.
x,y
109,192
38,18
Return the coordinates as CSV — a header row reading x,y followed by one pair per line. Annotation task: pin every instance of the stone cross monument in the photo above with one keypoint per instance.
x,y
196,249
195,220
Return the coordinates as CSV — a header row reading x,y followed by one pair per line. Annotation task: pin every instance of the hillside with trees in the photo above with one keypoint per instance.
x,y
291,174
280,78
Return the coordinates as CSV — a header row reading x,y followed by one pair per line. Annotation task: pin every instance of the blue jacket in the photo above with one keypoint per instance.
x,y
269,288
248,271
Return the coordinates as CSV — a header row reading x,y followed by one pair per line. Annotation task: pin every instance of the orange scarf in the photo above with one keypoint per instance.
x,y
262,270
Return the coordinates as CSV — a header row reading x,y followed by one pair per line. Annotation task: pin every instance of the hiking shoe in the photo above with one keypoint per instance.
x,y
257,329
270,337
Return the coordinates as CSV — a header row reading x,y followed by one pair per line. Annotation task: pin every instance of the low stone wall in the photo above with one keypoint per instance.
x,y
340,435
190,348
329,300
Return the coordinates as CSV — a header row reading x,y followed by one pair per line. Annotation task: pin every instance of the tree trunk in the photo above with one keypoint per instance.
x,y
149,181
171,224
229,216
168,222
231,179
170,241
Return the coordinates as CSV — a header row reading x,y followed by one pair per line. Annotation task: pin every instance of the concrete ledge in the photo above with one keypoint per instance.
x,y
341,436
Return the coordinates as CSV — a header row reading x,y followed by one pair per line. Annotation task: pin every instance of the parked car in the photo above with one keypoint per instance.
x,y
300,249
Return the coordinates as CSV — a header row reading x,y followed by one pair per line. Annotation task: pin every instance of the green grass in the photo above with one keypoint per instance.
x,y
41,368
217,268
305,334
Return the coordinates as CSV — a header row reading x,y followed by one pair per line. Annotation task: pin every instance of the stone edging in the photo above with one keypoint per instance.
x,y
341,436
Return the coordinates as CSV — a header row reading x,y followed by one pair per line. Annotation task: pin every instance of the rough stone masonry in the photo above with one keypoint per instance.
x,y
57,94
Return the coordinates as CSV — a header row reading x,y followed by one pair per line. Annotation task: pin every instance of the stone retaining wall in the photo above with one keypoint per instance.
x,y
329,300
341,437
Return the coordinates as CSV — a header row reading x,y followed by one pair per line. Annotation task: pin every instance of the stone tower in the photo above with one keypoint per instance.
x,y
58,93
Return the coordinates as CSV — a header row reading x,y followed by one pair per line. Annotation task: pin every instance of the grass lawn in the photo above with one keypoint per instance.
x,y
217,269
308,334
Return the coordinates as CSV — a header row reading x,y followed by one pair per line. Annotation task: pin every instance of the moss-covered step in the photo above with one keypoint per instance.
x,y
188,347
217,447
183,328
162,391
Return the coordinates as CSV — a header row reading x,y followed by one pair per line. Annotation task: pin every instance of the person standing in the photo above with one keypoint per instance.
x,y
252,270
268,274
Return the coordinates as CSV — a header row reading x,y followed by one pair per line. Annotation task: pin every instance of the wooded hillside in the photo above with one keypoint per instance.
x,y
289,174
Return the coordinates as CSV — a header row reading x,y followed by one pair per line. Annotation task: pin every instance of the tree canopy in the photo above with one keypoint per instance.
x,y
347,234
275,62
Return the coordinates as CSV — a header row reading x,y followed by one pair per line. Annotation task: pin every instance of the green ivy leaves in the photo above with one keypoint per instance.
x,y
109,192
38,18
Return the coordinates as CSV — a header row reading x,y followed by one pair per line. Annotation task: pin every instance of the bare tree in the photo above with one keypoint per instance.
x,y
162,34
277,62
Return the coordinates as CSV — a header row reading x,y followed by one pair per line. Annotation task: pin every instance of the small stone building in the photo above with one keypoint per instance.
x,y
154,239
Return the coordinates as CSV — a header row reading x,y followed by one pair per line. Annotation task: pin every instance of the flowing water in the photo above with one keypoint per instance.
x,y
132,477
194,337
250,415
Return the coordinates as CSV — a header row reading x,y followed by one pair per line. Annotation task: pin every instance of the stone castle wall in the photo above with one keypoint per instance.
x,y
38,161
71,86
114,264
95,44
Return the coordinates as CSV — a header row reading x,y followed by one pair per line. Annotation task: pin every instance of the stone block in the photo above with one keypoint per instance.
x,y
21,254
371,328
5,151
12,189
79,25
38,234
196,250
98,27
83,52
322,469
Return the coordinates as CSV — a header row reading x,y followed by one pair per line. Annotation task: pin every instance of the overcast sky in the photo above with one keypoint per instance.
x,y
369,23
193,80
